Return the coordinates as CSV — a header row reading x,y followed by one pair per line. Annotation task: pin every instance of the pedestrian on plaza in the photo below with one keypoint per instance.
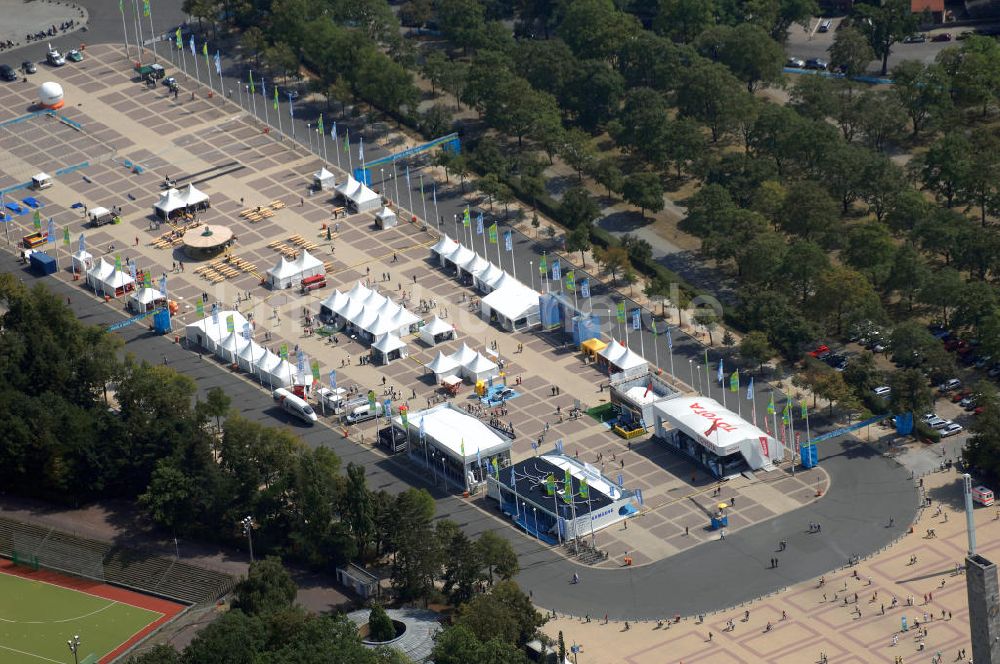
x,y
709,636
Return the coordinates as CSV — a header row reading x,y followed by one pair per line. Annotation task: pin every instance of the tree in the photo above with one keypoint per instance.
x,y
380,627
613,259
908,273
980,185
710,93
357,507
253,42
268,587
842,297
924,91
160,654
863,374
504,613
233,638
813,97
644,191
593,94
497,555
461,21
755,348
945,166
608,175
881,119
870,250
851,51
577,150
708,318
578,208
683,20
579,240
417,557
462,566
282,58
982,451
942,292
910,392
455,645
596,28
974,71
752,56
808,211
883,25
642,123
217,404
801,267
684,143
516,107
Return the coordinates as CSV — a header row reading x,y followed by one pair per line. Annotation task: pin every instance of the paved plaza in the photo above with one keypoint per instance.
x,y
816,618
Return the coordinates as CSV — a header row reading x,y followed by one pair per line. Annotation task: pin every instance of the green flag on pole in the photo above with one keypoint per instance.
x,y
371,401
253,88
315,370
734,381
404,416
118,263
121,6
786,414
319,124
199,307
466,218
178,41
230,324
493,234
543,265
145,8
550,484
66,236
620,313
770,406
283,351
37,218
275,95
147,279
571,281
584,489
347,140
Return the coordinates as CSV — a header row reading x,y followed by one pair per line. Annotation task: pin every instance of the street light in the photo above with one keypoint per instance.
x,y
248,525
531,271
74,645
534,512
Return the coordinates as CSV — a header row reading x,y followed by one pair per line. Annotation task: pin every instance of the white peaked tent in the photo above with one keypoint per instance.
x,y
308,265
443,247
460,255
264,367
511,306
228,348
386,218
323,180
207,333
282,275
145,299
279,374
436,331
194,198
464,355
105,279
443,365
250,356
82,262
389,347
610,353
97,274
480,368
630,361
330,307
359,292
476,265
170,202
487,279
357,196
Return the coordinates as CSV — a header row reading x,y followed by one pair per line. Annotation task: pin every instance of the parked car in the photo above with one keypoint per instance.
x,y
820,351
7,73
882,391
74,56
952,429
795,63
938,423
958,396
55,58
28,67
941,37
968,403
994,371
950,384
817,63
918,38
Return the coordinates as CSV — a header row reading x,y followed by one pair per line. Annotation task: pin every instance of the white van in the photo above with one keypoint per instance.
x,y
825,25
294,405
363,413
99,216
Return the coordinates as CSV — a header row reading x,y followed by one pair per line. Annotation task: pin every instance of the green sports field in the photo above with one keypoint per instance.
x,y
37,618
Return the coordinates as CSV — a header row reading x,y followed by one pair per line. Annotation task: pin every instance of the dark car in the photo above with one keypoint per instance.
x,y
7,73
28,67
915,39
817,63
941,37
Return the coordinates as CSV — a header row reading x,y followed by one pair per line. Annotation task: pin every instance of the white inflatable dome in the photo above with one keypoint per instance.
x,y
50,94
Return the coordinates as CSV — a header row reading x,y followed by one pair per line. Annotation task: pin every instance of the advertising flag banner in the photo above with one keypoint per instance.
x,y
493,234
466,218
275,102
347,140
585,287
496,468
147,279
194,51
218,63
177,39
721,376
300,361
621,312
145,8
361,151
230,324
584,489
734,382
670,339
479,224
333,380
636,319
423,428
163,285
803,409
315,370
333,131
571,281
215,315
52,231
253,87
247,331
462,448
37,217
750,389
770,406
282,350
131,270
199,307
319,124
508,241
371,401
543,265
83,243
118,263
785,414
556,270
404,415
550,484
66,239
652,324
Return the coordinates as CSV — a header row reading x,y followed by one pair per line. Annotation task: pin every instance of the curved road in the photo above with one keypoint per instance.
x,y
865,489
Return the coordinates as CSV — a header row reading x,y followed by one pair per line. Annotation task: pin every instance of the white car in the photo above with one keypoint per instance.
x,y
952,429
55,58
949,385
795,63
939,423
882,391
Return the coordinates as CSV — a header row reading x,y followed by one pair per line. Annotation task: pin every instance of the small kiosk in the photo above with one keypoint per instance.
x,y
41,181
386,218
388,348
323,180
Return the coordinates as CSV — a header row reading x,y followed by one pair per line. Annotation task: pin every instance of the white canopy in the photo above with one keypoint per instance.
x,y
435,327
476,265
334,301
82,261
382,325
281,374
487,279
250,356
146,295
308,265
388,343
718,429
105,278
169,201
366,321
359,292
193,196
228,348
207,333
323,179
464,355
629,360
358,196
511,303
444,246
612,351
480,368
455,432
443,365
460,255
282,275
386,217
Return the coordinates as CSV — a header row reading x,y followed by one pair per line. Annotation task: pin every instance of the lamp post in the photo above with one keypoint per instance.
x,y
74,645
444,475
248,524
534,513
531,271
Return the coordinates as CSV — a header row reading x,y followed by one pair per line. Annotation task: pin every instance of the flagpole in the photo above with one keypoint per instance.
x,y
481,224
350,159
808,434
194,55
184,59
423,196
739,402
656,348
496,236
336,142
277,107
152,34
723,386
208,65
708,376
395,182
121,10
291,114
138,27
263,94
437,217
670,349
753,401
409,188
513,262
322,132
642,337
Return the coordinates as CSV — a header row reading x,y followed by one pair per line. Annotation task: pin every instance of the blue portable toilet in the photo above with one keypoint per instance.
x,y
42,263
161,321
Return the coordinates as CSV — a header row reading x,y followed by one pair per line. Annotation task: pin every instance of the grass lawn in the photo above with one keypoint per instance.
x,y
37,618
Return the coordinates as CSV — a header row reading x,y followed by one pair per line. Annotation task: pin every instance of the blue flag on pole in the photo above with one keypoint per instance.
x,y
750,389
721,373
508,241
387,408
247,331
215,313
191,44
636,319
291,109
423,431
83,243
361,151
263,89
407,175
585,288
479,224
131,270
556,270
670,340
434,193
163,286
218,64
52,234
333,380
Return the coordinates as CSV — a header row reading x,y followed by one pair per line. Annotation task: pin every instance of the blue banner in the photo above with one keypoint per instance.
x,y
556,270
636,319
845,430
585,288
333,380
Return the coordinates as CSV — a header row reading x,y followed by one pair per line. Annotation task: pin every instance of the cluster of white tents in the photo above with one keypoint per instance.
x,y
173,202
436,331
145,299
621,359
465,362
287,274
508,302
105,279
358,196
367,313
212,333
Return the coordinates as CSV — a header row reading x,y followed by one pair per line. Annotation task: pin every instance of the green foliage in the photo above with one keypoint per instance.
x,y
755,348
884,25
380,627
578,208
267,588
910,392
161,654
644,191
505,613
